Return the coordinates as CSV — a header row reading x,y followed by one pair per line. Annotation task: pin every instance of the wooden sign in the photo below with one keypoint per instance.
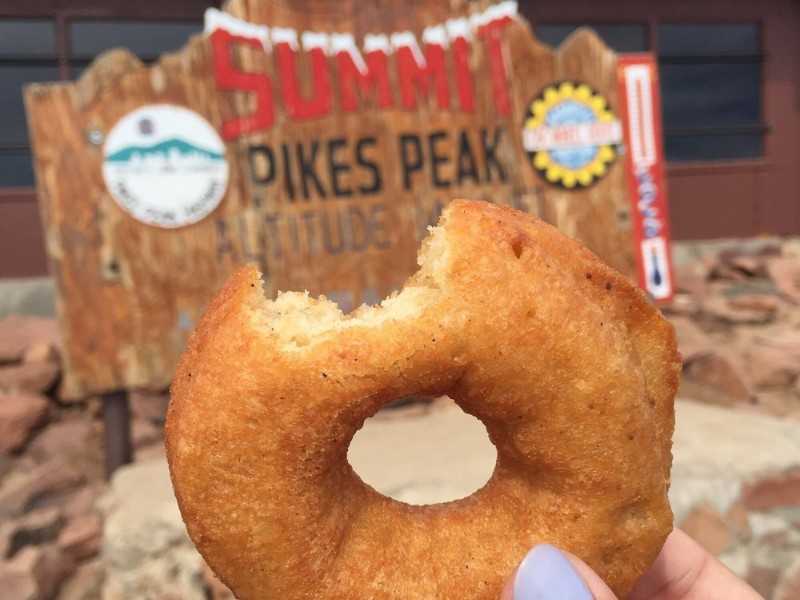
x,y
318,140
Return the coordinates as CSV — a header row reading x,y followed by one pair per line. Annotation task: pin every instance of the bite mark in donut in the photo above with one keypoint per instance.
x,y
568,366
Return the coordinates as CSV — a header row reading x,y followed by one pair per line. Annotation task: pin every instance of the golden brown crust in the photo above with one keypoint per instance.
x,y
570,368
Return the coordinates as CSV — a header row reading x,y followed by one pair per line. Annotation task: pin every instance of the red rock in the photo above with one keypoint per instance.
x,y
724,270
787,340
29,377
18,332
750,407
17,583
705,525
20,414
692,278
748,264
149,405
144,433
81,502
718,307
35,573
36,527
80,538
85,584
784,274
51,568
63,438
723,375
771,367
40,351
17,494
77,441
693,342
763,579
790,586
737,518
6,464
779,403
149,452
782,489
763,303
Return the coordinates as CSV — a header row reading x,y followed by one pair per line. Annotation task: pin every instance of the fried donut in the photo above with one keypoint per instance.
x,y
566,363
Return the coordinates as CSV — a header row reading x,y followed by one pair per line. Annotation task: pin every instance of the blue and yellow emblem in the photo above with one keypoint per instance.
x,y
571,135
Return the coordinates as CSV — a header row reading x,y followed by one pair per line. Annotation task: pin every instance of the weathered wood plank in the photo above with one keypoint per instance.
x,y
335,203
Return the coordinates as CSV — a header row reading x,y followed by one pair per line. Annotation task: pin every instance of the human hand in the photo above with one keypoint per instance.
x,y
683,571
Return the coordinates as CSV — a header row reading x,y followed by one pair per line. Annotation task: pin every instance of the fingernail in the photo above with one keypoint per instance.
x,y
546,574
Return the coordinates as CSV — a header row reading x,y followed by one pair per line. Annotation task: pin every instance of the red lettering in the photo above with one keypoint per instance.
x,y
228,78
297,106
352,80
497,66
466,89
435,61
412,75
307,87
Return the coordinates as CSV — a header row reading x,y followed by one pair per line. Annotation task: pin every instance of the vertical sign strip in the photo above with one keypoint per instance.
x,y
641,114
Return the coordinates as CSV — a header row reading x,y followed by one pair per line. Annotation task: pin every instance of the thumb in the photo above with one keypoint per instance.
x,y
547,573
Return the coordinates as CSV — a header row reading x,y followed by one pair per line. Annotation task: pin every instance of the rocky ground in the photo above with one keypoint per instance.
x,y
66,533
737,316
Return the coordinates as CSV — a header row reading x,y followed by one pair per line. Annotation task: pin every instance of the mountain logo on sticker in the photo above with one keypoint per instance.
x,y
165,166
173,150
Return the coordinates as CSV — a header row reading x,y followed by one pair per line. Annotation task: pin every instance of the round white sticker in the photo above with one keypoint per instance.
x,y
165,166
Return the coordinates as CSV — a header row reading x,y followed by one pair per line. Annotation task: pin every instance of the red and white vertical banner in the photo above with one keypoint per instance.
x,y
640,107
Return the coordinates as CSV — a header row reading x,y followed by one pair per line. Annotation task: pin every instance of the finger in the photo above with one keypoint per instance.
x,y
508,588
547,573
685,571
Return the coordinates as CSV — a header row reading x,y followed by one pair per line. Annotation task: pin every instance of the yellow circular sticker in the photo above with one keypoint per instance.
x,y
571,135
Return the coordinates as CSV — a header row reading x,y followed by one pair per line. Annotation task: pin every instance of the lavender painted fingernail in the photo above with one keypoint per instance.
x,y
546,574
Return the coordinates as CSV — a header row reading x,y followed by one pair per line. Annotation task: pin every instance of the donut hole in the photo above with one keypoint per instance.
x,y
423,453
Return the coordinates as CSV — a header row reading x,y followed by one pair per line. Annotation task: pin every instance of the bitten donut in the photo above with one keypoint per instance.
x,y
568,366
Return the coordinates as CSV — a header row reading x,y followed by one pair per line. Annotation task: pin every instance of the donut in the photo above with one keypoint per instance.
x,y
569,367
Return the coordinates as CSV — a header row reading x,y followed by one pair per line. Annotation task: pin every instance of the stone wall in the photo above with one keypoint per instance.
x,y
736,490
